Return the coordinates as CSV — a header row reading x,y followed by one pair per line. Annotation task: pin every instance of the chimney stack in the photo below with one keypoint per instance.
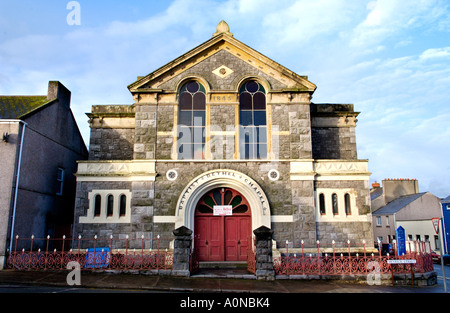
x,y
394,188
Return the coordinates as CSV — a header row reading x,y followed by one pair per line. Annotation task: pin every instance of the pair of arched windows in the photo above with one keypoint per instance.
x,y
335,204
110,205
192,120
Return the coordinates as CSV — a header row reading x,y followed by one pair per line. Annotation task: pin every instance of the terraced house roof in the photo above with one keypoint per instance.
x,y
15,107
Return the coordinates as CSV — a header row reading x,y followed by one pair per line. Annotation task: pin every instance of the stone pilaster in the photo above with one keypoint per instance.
x,y
182,251
263,253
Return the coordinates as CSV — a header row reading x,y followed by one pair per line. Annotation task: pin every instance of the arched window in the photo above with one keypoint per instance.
x,y
348,209
322,203
97,205
123,205
110,205
252,121
191,121
334,200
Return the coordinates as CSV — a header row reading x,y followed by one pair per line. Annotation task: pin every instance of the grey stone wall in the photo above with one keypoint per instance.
x,y
111,144
222,57
141,214
223,131
361,187
300,131
165,120
334,143
286,197
145,132
343,231
356,232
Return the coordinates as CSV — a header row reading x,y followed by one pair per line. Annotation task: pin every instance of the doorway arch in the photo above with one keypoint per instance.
x,y
207,181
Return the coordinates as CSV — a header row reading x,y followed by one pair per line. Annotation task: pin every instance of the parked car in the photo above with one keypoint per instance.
x,y
437,258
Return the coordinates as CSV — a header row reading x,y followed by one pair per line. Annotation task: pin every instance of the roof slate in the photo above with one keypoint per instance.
x,y
14,107
396,205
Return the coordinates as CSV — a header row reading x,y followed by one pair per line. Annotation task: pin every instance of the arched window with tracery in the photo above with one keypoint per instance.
x,y
191,121
252,121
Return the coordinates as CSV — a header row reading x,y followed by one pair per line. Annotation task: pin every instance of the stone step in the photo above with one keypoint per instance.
x,y
224,264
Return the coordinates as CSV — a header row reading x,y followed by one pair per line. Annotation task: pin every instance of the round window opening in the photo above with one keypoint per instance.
x,y
273,174
171,174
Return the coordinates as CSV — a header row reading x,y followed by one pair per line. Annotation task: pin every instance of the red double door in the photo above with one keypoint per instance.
x,y
225,237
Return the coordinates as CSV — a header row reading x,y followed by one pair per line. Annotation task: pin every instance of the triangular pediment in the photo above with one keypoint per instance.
x,y
222,61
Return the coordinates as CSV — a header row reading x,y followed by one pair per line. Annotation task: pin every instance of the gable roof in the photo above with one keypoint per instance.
x,y
16,107
375,193
396,205
222,40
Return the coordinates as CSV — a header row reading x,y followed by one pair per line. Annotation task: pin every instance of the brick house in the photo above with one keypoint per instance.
x,y
40,146
223,140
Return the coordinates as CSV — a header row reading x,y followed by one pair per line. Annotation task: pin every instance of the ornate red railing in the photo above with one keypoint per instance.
x,y
98,256
320,263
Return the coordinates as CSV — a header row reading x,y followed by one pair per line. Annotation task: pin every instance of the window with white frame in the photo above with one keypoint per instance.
x,y
108,206
378,220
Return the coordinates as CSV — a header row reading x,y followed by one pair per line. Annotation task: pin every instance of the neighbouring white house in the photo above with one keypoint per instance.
x,y
399,203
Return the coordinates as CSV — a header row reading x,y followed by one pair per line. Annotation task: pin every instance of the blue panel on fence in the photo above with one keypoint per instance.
x,y
98,258
401,243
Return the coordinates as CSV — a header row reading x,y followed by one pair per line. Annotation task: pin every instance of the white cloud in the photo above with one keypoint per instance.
x,y
436,53
387,18
302,21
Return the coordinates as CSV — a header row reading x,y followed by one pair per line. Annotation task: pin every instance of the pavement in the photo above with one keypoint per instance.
x,y
203,282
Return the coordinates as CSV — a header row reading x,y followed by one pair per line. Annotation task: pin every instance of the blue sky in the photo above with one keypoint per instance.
x,y
390,58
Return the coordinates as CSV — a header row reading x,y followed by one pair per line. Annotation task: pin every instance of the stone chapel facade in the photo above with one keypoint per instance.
x,y
223,140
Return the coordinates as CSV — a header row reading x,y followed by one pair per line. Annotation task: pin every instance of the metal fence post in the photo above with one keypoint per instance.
x,y
95,250
142,251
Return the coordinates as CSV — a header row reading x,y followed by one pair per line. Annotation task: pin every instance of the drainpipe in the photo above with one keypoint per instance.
x,y
17,178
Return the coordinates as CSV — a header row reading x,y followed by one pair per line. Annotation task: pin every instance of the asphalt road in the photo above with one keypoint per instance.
x,y
334,287
438,269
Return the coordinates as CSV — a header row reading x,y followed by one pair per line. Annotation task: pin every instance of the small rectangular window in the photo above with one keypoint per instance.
x,y
60,182
378,220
